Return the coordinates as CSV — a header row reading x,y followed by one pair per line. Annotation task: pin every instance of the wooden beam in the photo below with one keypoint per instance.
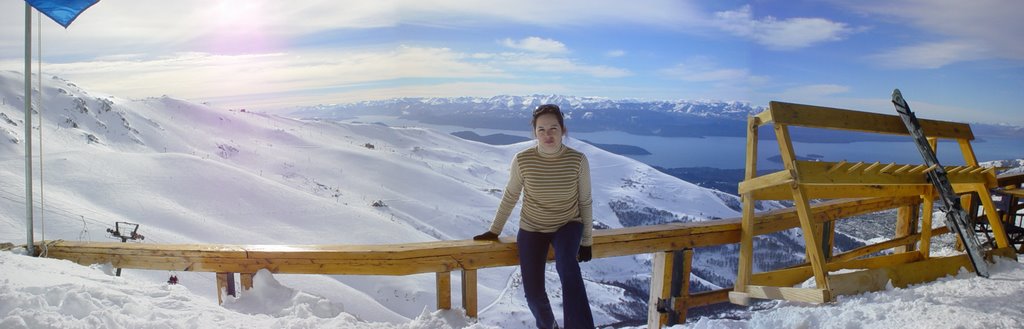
x,y
469,294
801,200
222,283
797,274
747,227
842,191
833,118
818,173
443,282
705,298
926,222
888,244
906,225
684,290
246,280
661,279
807,295
765,181
1002,240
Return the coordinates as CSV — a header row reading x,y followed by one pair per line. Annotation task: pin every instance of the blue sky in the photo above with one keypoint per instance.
x,y
953,60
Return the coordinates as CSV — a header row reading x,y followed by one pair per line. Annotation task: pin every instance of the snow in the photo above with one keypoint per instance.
x,y
51,293
962,301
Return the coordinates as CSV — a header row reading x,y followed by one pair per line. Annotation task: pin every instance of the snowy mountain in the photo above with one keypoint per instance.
x,y
659,118
188,172
679,118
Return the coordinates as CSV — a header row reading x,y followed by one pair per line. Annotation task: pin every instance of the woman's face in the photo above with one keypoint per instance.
x,y
548,132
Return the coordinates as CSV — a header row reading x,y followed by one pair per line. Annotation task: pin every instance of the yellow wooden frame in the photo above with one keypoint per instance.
x,y
801,181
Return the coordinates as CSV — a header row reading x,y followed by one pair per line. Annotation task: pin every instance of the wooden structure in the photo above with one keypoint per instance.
x,y
801,181
467,256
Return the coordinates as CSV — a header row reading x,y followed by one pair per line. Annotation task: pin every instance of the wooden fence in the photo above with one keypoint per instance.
x,y
468,256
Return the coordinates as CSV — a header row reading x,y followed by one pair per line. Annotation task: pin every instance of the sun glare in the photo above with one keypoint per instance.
x,y
238,27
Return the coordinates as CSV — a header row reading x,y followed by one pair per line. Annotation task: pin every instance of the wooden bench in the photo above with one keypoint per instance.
x,y
802,181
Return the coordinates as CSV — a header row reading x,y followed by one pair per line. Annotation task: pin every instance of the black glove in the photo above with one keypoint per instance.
x,y
487,236
585,254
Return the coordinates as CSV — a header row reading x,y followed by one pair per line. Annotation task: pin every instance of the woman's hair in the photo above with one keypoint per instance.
x,y
549,109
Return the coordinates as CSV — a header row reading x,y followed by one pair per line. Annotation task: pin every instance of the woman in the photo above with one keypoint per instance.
x,y
555,182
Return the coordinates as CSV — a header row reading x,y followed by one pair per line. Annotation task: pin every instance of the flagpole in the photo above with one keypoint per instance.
x,y
28,130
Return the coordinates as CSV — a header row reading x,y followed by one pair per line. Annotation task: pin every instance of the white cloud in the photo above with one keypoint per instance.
x,y
787,34
615,53
198,76
955,31
931,55
542,63
704,69
536,44
813,93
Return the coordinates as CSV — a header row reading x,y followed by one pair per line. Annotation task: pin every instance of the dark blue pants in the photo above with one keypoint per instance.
x,y
533,253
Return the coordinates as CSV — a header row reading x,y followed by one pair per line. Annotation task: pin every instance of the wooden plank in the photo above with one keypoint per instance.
x,y
817,173
834,118
807,295
661,279
927,206
888,244
1002,240
222,283
906,225
685,288
811,230
707,298
797,274
443,282
858,282
747,229
783,177
928,270
469,293
843,191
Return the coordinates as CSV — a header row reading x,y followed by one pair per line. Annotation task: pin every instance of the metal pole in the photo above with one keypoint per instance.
x,y
28,130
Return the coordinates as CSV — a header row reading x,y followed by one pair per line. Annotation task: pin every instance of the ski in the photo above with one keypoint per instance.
x,y
956,217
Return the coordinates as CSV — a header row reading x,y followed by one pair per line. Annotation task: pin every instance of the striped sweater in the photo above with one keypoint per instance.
x,y
555,189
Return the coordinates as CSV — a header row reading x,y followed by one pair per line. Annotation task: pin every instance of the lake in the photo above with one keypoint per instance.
x,y
728,152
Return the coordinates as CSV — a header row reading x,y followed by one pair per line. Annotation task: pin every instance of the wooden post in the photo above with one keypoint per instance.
x,y
246,279
683,292
998,231
926,223
222,282
225,284
444,290
231,285
811,230
828,238
906,224
661,279
469,292
746,258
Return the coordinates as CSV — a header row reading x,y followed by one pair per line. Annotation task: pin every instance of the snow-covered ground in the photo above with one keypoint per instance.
x,y
49,293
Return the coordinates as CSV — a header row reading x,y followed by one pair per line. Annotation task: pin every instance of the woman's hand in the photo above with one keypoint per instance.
x,y
491,236
585,254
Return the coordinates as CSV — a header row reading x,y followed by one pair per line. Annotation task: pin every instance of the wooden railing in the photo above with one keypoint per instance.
x,y
467,256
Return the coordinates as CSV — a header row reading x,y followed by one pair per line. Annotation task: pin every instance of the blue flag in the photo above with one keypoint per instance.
x,y
62,11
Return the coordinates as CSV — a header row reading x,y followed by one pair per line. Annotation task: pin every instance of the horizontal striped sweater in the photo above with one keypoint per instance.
x,y
555,189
